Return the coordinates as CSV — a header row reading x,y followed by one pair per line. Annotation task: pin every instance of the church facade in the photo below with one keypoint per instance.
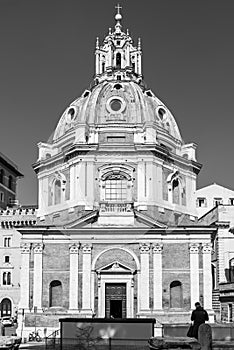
x,y
117,233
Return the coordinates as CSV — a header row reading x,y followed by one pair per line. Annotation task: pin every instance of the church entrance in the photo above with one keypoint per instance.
x,y
115,300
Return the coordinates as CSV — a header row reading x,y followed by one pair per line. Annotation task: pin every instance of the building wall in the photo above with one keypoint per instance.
x,y
211,194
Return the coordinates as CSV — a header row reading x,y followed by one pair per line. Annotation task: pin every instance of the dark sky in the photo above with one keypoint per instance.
x,y
47,60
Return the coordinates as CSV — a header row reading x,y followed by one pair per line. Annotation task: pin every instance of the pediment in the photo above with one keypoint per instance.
x,y
115,267
148,220
141,220
84,220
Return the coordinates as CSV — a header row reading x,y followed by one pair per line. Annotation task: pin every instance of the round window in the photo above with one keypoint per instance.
x,y
115,105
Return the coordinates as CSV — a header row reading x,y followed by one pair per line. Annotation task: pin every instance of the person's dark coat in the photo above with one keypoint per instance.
x,y
198,317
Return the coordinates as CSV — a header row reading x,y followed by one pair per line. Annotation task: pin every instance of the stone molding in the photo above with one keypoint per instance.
x,y
157,248
38,248
194,248
206,248
144,248
87,248
74,248
25,248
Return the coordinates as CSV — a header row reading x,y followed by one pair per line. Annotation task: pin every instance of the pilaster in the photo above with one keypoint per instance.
x,y
73,287
207,276
157,273
37,276
194,273
25,249
86,279
144,277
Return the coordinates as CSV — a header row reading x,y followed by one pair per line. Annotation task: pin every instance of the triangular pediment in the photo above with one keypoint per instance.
x,y
115,267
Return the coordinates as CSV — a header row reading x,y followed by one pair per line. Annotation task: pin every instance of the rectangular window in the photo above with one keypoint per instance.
x,y
231,201
229,312
1,197
7,242
116,190
7,259
218,201
201,202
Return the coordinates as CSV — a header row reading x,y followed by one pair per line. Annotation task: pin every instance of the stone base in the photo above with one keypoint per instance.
x,y
173,343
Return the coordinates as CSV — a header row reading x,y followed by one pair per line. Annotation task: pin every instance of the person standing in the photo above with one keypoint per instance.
x,y
199,316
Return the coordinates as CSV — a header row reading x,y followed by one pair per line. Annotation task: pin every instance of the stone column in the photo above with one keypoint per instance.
x,y
24,276
73,287
86,279
207,276
157,273
144,277
194,273
37,276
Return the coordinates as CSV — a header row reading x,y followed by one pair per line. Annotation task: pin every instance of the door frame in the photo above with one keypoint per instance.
x,y
116,278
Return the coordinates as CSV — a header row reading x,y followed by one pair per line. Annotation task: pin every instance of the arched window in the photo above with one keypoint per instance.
x,y
5,307
176,191
10,181
57,191
2,173
6,278
118,60
176,295
116,188
55,294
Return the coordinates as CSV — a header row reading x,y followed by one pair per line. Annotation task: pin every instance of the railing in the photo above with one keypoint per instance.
x,y
53,340
89,343
115,207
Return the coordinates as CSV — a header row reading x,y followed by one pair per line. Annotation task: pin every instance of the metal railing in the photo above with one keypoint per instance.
x,y
89,343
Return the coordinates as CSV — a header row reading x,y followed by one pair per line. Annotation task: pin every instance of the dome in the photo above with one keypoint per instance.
x,y
118,103
118,99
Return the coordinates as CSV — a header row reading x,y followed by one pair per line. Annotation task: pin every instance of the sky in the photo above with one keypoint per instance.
x,y
47,61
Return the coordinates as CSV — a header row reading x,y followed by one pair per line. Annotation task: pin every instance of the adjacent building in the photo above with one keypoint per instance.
x,y
9,174
211,196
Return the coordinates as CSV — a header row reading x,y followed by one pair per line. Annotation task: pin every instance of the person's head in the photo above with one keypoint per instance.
x,y
197,304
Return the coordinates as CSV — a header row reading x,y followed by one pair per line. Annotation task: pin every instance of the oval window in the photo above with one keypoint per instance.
x,y
116,105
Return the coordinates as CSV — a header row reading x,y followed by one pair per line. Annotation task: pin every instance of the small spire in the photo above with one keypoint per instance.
x,y
109,31
127,31
139,43
97,43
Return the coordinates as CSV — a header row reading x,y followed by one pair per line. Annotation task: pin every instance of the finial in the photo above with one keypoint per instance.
x,y
97,43
118,16
109,31
127,32
139,43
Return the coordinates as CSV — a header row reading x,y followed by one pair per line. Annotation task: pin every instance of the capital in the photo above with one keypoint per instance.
x,y
38,248
74,248
86,248
157,247
206,248
25,248
194,248
144,248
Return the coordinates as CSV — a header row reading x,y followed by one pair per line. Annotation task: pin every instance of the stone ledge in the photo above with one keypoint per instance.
x,y
160,343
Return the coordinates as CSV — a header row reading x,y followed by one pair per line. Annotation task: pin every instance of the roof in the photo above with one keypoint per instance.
x,y
9,164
